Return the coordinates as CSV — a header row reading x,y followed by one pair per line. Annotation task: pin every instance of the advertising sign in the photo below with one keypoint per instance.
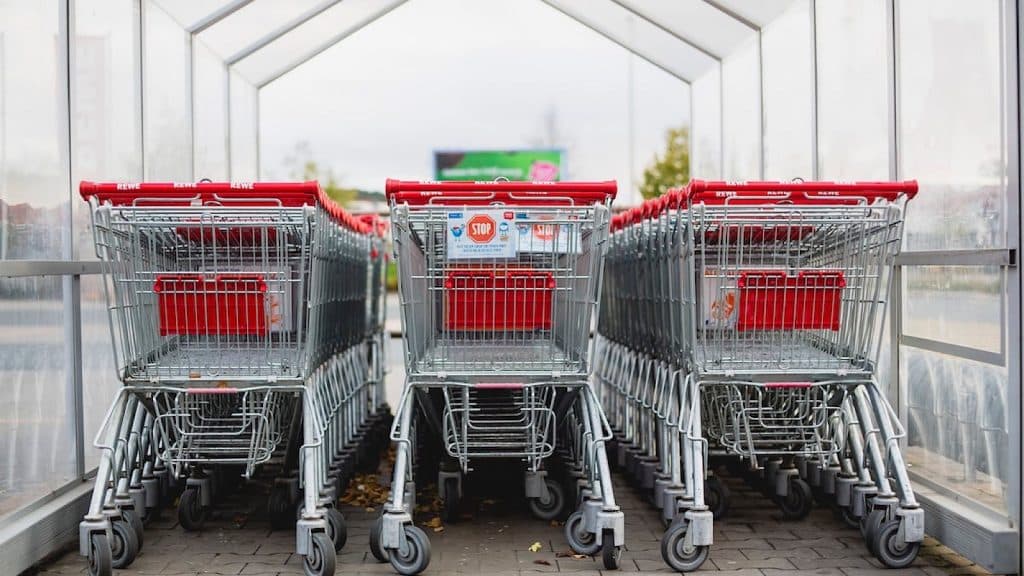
x,y
476,165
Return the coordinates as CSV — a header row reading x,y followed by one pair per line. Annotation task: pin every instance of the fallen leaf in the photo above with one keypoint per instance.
x,y
542,562
369,509
556,524
439,529
535,547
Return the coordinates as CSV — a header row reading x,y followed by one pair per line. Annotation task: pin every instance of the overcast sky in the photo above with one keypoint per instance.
x,y
468,74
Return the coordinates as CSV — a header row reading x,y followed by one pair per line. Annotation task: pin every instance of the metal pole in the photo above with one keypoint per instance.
x,y
630,109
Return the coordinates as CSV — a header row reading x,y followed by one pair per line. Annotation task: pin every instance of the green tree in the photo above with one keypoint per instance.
x,y
671,168
302,166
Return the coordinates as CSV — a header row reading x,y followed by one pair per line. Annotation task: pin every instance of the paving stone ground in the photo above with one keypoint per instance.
x,y
495,534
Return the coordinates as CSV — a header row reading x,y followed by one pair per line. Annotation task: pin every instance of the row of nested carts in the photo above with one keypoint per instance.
x,y
719,326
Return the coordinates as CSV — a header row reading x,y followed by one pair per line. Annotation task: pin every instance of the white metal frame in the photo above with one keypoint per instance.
x,y
15,529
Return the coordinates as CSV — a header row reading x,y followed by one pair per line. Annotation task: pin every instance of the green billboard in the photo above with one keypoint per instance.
x,y
536,165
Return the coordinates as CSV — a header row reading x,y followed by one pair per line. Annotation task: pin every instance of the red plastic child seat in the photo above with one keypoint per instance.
x,y
498,300
773,300
229,304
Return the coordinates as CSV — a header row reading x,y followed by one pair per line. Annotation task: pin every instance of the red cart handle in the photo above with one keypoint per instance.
x,y
806,193
418,193
229,194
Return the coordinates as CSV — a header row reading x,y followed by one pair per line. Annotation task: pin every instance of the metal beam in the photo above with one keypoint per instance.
x,y
657,24
216,16
280,31
978,257
332,41
733,14
21,268
623,44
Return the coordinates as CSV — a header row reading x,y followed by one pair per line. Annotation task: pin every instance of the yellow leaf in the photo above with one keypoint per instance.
x,y
535,547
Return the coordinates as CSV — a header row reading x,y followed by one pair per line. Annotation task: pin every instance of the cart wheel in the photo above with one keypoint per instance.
x,y
191,512
610,553
450,511
414,556
845,513
550,508
125,546
891,549
100,558
581,541
280,508
321,558
680,556
798,503
337,529
870,526
375,548
135,521
716,496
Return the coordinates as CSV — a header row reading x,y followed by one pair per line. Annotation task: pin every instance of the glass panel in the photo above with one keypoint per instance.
x,y
760,12
951,118
244,129
567,87
957,424
210,107
852,86
190,12
252,22
697,21
741,114
645,38
316,34
956,304
106,109
168,101
99,376
33,172
36,450
707,126
788,97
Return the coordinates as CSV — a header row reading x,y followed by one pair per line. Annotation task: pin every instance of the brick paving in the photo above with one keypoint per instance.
x,y
494,537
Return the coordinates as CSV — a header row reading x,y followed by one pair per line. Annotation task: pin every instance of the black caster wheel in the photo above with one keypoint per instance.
x,y
677,554
716,496
191,512
870,525
845,514
337,529
450,495
321,558
135,521
125,546
798,503
280,509
101,561
413,556
380,554
610,553
581,541
551,507
891,550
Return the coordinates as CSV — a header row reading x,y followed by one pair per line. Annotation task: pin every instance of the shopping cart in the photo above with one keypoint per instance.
x,y
239,319
743,320
498,281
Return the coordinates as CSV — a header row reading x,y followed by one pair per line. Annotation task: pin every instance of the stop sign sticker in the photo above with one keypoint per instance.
x,y
481,228
481,234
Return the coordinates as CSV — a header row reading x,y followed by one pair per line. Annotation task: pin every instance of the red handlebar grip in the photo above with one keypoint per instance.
x,y
702,189
421,192
255,194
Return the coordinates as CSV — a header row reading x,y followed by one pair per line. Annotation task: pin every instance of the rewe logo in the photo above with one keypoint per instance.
x,y
480,229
